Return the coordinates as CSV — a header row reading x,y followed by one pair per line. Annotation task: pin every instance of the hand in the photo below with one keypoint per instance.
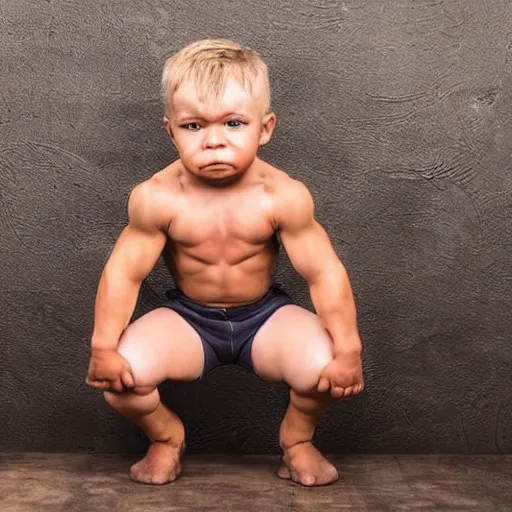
x,y
343,376
109,371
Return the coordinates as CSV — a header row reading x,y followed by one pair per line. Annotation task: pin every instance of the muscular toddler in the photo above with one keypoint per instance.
x,y
218,215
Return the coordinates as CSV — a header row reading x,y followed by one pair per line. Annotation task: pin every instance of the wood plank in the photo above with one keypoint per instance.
x,y
89,482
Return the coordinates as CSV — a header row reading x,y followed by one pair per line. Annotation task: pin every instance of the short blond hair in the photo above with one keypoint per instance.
x,y
208,64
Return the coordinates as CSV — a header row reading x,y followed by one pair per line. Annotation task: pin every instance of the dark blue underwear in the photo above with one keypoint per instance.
x,y
227,333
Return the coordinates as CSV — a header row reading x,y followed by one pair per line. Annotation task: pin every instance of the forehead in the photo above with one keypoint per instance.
x,y
188,100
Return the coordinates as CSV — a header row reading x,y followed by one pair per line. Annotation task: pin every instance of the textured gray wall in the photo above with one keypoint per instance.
x,y
397,114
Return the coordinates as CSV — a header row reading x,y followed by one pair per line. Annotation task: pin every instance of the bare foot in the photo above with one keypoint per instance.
x,y
304,464
161,464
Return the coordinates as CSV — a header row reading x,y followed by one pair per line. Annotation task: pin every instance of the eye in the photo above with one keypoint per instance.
x,y
190,126
234,123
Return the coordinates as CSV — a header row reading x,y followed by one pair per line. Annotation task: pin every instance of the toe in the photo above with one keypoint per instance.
x,y
136,477
160,480
331,475
308,480
284,472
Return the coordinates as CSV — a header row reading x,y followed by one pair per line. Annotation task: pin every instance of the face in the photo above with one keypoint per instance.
x,y
218,140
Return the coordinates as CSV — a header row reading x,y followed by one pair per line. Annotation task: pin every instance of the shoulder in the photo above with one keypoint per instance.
x,y
292,202
153,202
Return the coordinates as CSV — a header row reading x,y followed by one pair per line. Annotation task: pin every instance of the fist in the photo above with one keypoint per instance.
x,y
109,371
342,377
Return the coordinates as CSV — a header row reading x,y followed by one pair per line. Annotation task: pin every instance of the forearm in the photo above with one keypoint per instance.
x,y
115,303
334,303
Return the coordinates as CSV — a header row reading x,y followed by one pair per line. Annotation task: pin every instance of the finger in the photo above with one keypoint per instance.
x,y
90,381
323,384
104,386
349,391
337,392
98,384
127,379
117,385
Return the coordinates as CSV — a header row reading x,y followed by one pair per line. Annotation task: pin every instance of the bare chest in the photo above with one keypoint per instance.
x,y
230,227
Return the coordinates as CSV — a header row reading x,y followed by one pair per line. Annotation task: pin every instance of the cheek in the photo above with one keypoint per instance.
x,y
187,144
245,152
246,140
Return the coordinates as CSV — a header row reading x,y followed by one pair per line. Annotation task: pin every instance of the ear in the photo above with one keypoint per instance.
x,y
167,128
268,124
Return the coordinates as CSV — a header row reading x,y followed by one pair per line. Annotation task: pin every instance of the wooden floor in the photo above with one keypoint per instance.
x,y
79,483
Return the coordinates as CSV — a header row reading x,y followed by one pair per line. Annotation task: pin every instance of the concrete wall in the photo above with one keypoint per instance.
x,y
397,115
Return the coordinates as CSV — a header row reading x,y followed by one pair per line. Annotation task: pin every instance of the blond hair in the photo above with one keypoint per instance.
x,y
208,64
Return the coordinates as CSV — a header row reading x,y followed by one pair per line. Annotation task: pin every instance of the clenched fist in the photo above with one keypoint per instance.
x,y
342,377
109,371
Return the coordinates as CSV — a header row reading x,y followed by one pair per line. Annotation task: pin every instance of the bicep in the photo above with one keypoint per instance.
x,y
306,242
142,241
136,252
310,251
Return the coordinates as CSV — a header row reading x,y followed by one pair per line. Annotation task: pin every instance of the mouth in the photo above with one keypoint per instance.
x,y
216,166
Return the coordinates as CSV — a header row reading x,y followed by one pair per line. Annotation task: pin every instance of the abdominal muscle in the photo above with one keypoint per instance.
x,y
221,283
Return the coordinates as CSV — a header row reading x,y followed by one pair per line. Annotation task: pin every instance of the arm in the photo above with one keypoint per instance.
x,y
134,255
313,257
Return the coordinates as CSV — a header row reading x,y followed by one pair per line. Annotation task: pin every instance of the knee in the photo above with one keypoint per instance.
x,y
134,351
304,378
128,342
307,382
142,400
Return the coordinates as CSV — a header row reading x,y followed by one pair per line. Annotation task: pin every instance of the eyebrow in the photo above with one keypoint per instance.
x,y
189,117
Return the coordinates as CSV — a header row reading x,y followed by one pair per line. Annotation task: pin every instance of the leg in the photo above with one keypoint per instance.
x,y
159,346
293,346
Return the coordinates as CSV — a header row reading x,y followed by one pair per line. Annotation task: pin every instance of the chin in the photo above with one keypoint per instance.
x,y
221,175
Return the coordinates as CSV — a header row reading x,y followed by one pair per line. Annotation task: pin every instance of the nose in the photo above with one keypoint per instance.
x,y
214,138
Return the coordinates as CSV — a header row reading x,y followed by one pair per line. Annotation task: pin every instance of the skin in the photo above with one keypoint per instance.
x,y
213,215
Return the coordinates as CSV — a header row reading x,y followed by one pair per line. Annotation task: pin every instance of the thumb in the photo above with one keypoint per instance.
x,y
127,379
323,384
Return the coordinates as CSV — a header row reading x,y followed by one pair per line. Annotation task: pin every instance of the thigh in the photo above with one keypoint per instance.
x,y
292,346
162,345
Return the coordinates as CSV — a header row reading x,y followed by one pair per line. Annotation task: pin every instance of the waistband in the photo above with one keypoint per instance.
x,y
233,313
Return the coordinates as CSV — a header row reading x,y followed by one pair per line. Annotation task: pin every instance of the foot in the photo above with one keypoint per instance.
x,y
304,464
161,464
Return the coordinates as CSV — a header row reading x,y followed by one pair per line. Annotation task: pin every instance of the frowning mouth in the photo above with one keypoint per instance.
x,y
216,166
